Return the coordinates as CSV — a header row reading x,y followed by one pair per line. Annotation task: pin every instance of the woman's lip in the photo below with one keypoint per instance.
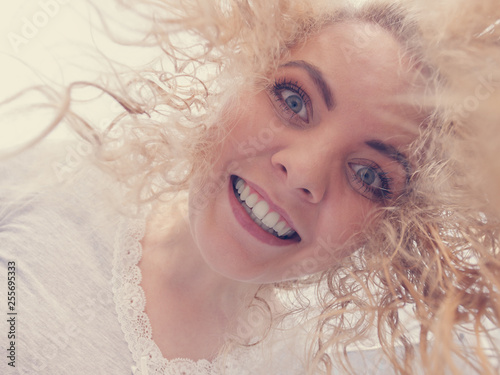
x,y
272,206
250,226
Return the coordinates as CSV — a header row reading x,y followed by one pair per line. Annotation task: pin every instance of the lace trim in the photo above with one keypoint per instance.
x,y
130,302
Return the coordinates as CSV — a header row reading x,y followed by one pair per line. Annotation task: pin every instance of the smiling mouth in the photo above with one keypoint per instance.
x,y
259,211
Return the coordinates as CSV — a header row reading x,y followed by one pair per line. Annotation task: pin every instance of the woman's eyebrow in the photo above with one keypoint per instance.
x,y
317,78
391,152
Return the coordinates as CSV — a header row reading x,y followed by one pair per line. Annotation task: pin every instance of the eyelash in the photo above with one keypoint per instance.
x,y
376,194
285,84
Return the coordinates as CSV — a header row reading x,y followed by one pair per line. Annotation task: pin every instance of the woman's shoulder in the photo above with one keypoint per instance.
x,y
50,166
47,164
62,243
49,186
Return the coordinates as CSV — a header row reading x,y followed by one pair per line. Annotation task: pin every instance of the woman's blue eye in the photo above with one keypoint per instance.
x,y
367,175
295,103
370,181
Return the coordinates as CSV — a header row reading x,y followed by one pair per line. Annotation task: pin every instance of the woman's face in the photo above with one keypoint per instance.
x,y
308,159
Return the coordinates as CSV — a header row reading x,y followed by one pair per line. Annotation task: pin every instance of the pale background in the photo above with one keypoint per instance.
x,y
33,38
52,42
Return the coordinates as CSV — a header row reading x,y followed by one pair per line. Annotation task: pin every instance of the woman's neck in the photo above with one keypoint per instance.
x,y
192,308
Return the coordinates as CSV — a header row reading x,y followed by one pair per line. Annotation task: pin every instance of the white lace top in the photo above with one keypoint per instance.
x,y
79,303
278,358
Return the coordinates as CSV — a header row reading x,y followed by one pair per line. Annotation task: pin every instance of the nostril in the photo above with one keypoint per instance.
x,y
308,193
283,168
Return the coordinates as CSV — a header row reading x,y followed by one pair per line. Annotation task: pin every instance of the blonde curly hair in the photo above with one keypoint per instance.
x,y
432,254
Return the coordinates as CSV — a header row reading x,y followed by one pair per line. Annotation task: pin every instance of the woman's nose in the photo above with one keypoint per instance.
x,y
303,170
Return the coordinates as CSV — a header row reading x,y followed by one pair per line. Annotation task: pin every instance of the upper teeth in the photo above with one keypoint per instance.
x,y
258,209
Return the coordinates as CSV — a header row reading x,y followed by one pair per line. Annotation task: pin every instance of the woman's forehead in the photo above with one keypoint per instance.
x,y
358,58
352,44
